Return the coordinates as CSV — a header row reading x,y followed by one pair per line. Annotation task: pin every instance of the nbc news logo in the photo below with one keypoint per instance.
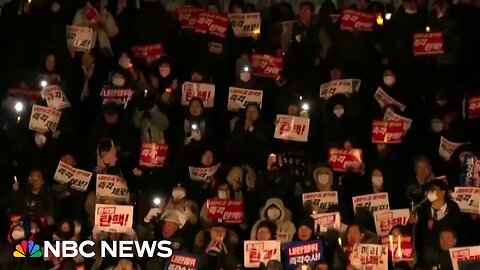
x,y
27,250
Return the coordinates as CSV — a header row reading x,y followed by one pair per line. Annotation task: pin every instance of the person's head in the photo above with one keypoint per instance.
x,y
213,8
293,109
274,265
170,224
164,67
441,99
397,231
111,113
322,265
124,264
195,107
223,191
437,125
35,180
306,11
273,213
118,79
423,169
178,193
18,233
124,61
50,62
448,238
217,232
437,191
197,76
65,230
69,159
236,6
87,59
266,230
377,179
252,112
355,234
410,6
305,228
338,110
207,158
389,77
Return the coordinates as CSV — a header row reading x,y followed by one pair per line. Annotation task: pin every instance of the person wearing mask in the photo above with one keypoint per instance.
x,y
275,211
323,180
266,230
377,182
180,202
224,192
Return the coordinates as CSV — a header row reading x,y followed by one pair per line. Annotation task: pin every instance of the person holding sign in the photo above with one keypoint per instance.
x,y
180,202
49,70
197,130
275,211
341,120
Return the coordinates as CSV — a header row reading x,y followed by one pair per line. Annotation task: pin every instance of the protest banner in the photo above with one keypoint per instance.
x,y
292,128
203,174
446,148
473,107
264,65
213,24
151,51
400,247
390,132
120,96
390,115
373,202
153,155
385,220
352,20
462,254
188,15
112,186
239,98
301,253
468,177
18,219
322,199
369,257
44,119
228,210
76,178
182,261
113,218
245,24
342,159
345,87
55,97
79,37
384,100
204,91
256,252
468,199
326,221
427,43
32,94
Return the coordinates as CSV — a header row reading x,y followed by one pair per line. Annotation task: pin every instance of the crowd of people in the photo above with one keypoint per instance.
x,y
434,94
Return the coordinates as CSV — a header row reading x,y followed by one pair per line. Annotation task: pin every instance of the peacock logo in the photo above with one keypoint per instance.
x,y
27,250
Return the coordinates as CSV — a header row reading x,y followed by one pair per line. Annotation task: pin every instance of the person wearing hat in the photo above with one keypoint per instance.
x,y
437,212
305,229
274,265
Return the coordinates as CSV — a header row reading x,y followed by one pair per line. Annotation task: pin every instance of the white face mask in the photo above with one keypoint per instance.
x,y
245,76
222,194
377,181
432,196
40,140
339,111
389,80
164,71
178,194
411,11
118,81
18,234
273,213
323,179
437,126
55,7
124,62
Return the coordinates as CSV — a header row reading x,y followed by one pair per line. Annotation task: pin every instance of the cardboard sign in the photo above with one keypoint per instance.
x,y
203,174
390,132
302,252
473,107
374,202
256,252
188,15
227,210
352,20
239,98
345,87
369,257
292,128
44,119
204,91
118,95
463,254
385,220
468,199
265,65
112,186
78,179
213,24
245,24
323,199
427,43
55,97
113,218
79,37
342,159
446,148
400,247
326,221
152,51
384,100
153,155
390,115
32,94
182,261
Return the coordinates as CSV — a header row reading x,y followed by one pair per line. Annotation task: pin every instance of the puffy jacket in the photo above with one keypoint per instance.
x,y
284,224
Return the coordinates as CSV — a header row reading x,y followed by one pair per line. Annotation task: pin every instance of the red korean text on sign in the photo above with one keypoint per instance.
x,y
188,16
148,51
473,107
352,20
228,210
341,159
266,65
153,154
32,94
387,132
214,24
113,219
428,43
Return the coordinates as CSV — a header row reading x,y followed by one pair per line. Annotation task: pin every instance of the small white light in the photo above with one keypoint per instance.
x,y
157,201
194,126
18,106
305,107
43,83
388,16
246,69
145,92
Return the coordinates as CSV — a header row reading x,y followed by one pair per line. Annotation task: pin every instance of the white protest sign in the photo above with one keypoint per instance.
x,y
369,257
245,24
55,97
204,91
468,199
323,199
345,87
390,115
374,202
79,37
461,254
446,148
118,95
44,119
256,252
203,174
384,100
385,220
326,221
113,218
239,98
292,128
78,179
112,186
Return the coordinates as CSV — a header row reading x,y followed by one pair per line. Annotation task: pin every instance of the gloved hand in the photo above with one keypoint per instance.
x,y
154,212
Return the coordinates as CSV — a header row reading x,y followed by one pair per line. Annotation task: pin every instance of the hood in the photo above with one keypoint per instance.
x,y
285,213
236,177
322,167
